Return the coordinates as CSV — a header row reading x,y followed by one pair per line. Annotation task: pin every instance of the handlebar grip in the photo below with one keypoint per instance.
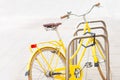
x,y
98,4
62,17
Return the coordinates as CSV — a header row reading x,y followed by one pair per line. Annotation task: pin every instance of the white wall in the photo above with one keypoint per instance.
x,y
21,24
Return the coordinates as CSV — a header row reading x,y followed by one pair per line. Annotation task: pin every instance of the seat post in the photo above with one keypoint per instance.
x,y
59,37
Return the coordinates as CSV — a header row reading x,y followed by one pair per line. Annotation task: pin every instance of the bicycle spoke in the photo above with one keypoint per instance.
x,y
101,53
52,57
37,68
57,60
49,67
38,61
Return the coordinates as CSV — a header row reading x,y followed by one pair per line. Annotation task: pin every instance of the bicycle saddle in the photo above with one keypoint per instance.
x,y
51,25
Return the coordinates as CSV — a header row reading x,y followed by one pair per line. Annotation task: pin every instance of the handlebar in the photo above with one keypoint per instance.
x,y
65,16
97,5
70,13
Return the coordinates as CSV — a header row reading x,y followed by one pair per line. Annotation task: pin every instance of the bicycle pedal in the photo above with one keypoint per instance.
x,y
96,64
77,72
88,64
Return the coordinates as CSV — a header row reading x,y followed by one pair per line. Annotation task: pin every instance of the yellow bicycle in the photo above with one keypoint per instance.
x,y
52,61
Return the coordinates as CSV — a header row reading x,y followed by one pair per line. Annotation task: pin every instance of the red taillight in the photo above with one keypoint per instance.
x,y
33,45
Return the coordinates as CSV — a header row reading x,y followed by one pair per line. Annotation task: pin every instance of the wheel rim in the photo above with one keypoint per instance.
x,y
49,58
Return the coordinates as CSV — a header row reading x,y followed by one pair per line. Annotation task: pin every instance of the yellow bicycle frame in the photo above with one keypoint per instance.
x,y
61,47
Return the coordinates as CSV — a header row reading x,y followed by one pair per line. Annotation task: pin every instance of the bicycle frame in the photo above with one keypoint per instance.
x,y
55,44
60,46
69,65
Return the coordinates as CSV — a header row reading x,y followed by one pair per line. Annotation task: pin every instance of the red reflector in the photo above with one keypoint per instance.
x,y
33,45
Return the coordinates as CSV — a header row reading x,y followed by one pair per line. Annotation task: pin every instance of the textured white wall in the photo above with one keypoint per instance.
x,y
20,25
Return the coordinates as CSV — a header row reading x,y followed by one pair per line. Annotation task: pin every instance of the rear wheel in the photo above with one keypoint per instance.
x,y
44,63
